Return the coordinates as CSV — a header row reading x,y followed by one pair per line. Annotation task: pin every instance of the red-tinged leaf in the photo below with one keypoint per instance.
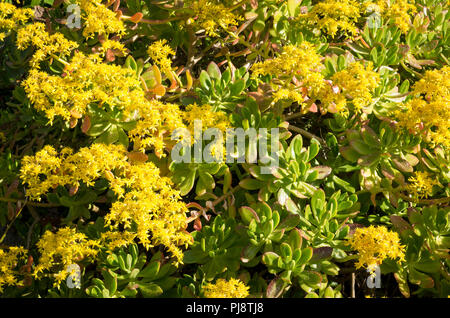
x,y
372,198
349,154
399,223
412,160
320,253
368,160
324,171
86,124
402,281
73,190
137,156
402,164
110,56
197,224
247,214
136,17
313,108
393,199
275,288
73,122
194,205
159,90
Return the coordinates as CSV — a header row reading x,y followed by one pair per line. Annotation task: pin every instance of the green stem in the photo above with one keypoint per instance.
x,y
59,59
37,204
12,222
306,134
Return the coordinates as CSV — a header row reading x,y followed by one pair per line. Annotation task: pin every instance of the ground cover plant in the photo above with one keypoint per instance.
x,y
350,199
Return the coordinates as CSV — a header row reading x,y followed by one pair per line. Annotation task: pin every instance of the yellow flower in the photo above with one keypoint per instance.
x,y
374,244
333,16
112,45
146,204
116,239
47,45
421,184
357,82
208,117
288,94
232,288
159,51
301,61
11,18
429,115
61,249
98,19
9,260
211,15
397,11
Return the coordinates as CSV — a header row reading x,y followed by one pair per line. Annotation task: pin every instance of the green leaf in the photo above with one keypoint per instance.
x,y
110,281
313,149
251,184
292,6
306,255
275,288
248,214
237,88
188,182
150,271
150,290
214,71
205,80
193,256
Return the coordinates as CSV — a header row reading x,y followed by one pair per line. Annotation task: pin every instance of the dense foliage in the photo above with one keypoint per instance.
x,y
92,203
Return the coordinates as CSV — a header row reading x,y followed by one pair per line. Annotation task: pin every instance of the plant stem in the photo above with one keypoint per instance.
x,y
59,59
12,222
306,134
37,204
425,201
223,197
183,17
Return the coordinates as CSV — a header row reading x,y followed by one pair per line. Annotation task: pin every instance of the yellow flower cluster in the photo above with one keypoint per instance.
x,y
85,81
98,19
397,11
11,18
357,82
145,199
332,99
116,239
301,61
232,288
47,45
287,94
112,45
429,115
153,206
331,16
211,15
209,119
159,52
9,260
374,244
61,249
155,125
421,184
207,116
48,168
